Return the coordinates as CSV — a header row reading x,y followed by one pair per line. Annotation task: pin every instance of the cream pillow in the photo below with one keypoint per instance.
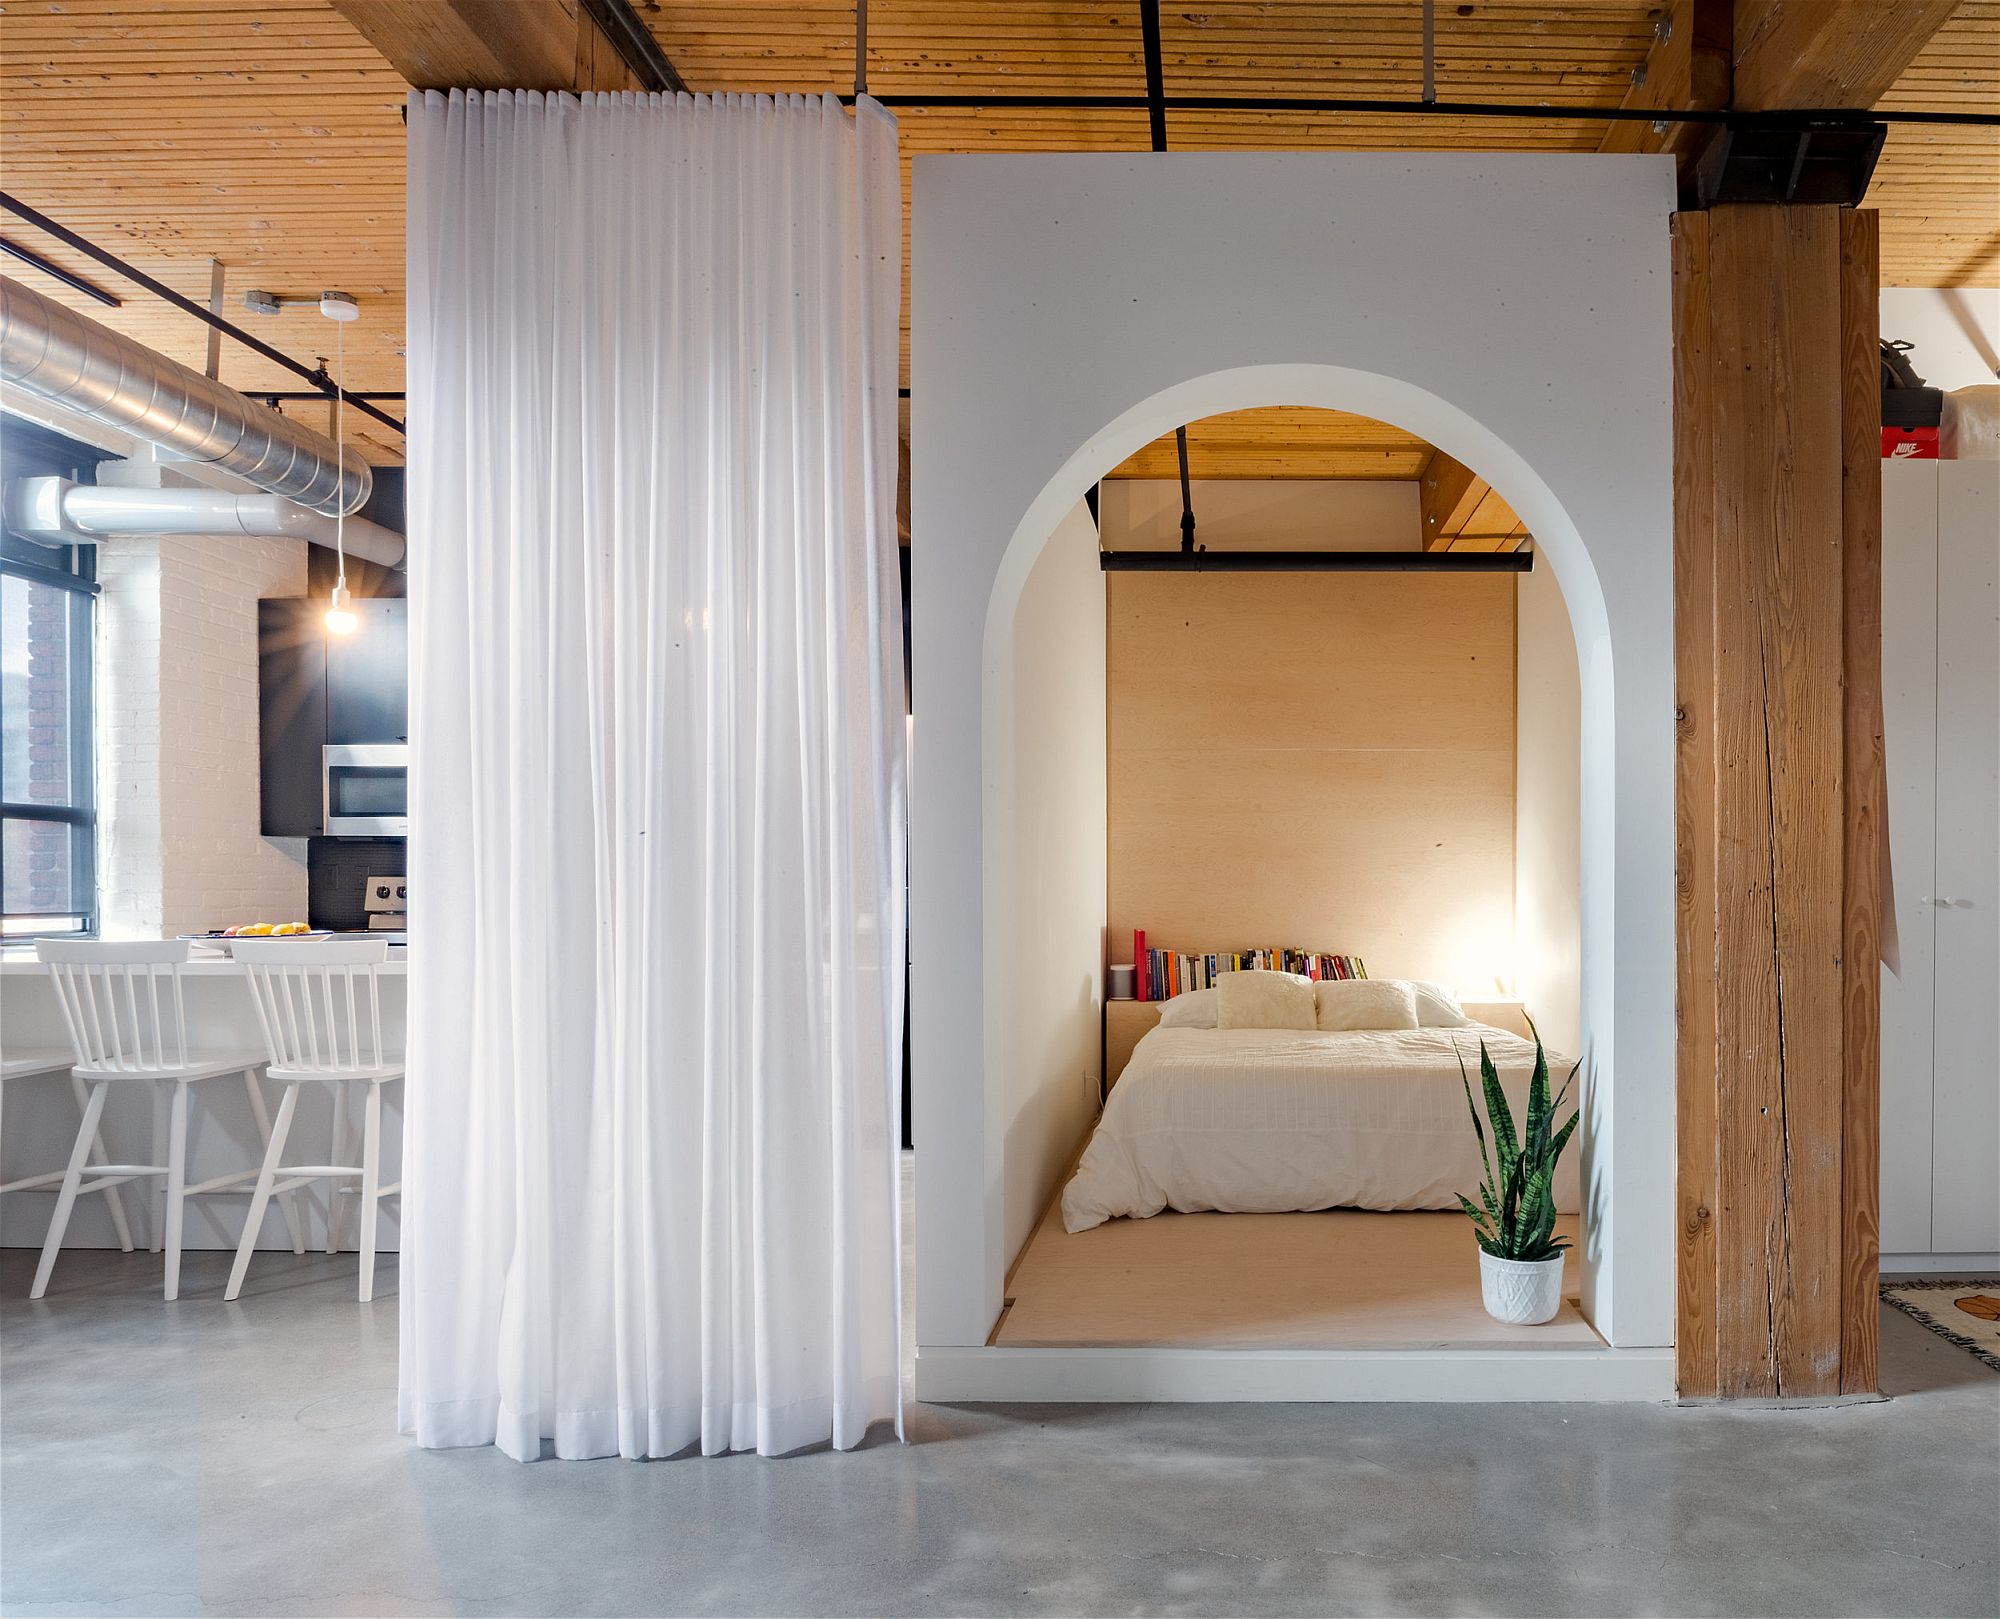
x,y
1367,1003
1191,1009
1264,1000
1437,1007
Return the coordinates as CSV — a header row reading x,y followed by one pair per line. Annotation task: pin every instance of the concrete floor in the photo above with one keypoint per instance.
x,y
240,1459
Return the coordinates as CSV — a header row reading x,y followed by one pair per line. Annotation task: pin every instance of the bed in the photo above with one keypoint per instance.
x,y
1253,1120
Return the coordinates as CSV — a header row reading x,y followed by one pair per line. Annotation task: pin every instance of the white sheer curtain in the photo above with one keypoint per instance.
x,y
657,774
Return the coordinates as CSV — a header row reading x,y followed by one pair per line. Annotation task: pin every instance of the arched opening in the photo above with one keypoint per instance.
x,y
1498,914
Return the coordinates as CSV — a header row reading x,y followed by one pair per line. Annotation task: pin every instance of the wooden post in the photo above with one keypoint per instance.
x,y
1694,811
1867,794
1777,518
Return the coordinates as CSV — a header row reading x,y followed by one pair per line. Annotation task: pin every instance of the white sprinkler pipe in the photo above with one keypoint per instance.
x,y
64,512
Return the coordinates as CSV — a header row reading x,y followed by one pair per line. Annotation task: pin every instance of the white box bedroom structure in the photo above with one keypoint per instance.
x,y
1138,293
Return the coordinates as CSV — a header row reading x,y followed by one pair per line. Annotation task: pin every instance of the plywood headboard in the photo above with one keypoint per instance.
x,y
1322,760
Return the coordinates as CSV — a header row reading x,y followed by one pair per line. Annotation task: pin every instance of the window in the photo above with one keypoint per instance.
x,y
48,808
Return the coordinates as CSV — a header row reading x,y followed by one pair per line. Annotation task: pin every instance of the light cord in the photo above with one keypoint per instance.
x,y
340,453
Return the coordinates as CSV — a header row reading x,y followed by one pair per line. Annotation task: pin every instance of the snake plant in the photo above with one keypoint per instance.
x,y
1515,1217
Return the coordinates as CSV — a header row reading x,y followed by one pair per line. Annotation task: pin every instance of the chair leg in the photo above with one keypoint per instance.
x,y
288,1201
93,1110
177,1121
260,1200
371,1181
98,1156
334,1201
158,1223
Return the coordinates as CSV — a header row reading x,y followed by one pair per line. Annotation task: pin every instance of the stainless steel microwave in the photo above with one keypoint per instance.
x,y
365,790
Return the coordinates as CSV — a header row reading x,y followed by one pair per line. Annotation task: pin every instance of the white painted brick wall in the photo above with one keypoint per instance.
x,y
177,734
128,737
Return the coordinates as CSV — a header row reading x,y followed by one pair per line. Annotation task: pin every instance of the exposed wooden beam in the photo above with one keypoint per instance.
x,y
1688,65
1763,55
598,64
1827,53
511,44
472,44
1448,493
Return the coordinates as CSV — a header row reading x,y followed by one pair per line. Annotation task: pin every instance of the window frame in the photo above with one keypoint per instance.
x,y
70,568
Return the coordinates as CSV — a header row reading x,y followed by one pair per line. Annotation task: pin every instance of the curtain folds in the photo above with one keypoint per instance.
x,y
657,774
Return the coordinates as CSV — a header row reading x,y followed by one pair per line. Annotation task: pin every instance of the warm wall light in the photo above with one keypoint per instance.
x,y
1479,945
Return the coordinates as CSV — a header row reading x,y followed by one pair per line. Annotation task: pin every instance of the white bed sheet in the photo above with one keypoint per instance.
x,y
1261,1121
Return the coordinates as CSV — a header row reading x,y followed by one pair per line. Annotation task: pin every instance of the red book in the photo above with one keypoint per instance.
x,y
1140,986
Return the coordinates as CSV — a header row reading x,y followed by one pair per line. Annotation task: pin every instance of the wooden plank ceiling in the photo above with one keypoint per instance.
x,y
1937,188
169,131
1284,442
269,135
1461,511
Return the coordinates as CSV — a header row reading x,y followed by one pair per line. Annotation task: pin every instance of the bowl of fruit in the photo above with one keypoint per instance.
x,y
222,938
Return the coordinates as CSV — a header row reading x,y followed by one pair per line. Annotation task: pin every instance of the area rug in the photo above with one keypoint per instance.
x,y
1966,1313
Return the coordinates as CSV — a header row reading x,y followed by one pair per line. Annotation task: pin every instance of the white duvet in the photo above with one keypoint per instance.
x,y
1261,1121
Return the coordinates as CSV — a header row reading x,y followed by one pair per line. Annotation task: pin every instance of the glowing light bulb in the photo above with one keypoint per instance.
x,y
340,615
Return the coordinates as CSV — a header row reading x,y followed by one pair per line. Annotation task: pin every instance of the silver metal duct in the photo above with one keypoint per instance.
x,y
57,354
57,510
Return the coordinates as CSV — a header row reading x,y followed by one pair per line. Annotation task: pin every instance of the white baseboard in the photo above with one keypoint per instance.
x,y
1032,1376
1940,1264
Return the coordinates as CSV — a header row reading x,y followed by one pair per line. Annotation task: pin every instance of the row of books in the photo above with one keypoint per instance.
x,y
1159,975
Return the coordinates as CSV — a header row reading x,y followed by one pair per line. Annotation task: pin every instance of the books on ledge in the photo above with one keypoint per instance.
x,y
1159,975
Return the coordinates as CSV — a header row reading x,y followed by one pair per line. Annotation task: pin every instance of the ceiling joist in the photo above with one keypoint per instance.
x,y
1827,53
1461,511
515,44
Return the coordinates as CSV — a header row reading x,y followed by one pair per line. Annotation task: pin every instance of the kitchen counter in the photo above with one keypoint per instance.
x,y
41,1113
203,960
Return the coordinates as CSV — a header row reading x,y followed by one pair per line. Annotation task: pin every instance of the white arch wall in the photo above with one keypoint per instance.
x,y
1514,310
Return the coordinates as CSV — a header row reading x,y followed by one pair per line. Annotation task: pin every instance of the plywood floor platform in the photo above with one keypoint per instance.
x,y
1337,1280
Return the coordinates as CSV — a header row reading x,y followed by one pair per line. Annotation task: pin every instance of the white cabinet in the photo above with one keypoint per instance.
x,y
1941,716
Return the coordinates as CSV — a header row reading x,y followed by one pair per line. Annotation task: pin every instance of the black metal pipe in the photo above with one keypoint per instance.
x,y
1787,117
1156,73
1187,493
49,267
201,312
308,395
1316,561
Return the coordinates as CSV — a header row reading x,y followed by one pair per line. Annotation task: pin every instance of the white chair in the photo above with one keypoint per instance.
x,y
19,1064
127,1018
319,1003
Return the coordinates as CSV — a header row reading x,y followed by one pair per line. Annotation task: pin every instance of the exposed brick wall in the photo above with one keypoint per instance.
x,y
128,737
178,736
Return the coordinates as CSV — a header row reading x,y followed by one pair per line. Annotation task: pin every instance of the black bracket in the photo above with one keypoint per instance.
x,y
1788,159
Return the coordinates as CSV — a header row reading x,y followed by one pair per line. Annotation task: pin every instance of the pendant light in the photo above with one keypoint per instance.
x,y
340,309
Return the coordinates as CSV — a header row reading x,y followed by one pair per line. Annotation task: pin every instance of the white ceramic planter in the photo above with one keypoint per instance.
x,y
1521,1292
